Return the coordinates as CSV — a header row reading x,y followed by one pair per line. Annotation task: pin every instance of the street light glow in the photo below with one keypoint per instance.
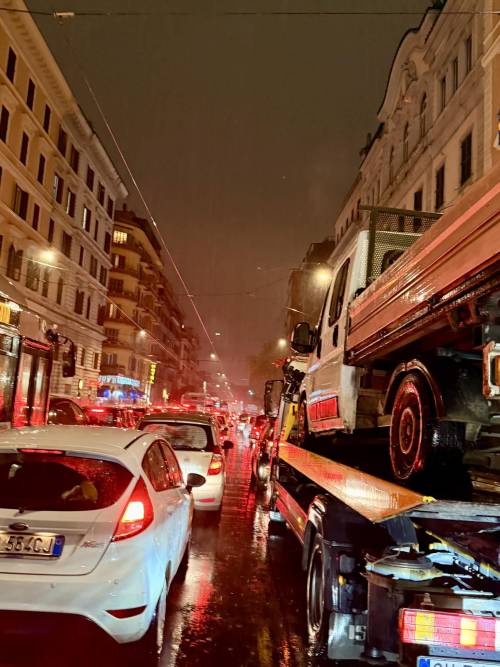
x,y
213,355
322,276
282,342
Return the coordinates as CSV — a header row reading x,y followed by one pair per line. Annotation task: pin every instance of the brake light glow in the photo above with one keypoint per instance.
x,y
216,465
137,515
97,410
126,613
25,450
419,626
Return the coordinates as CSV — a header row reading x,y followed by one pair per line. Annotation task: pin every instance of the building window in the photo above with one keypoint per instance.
x,y
66,244
30,94
468,54
442,93
418,198
111,334
14,263
101,315
36,216
116,285
101,194
466,159
11,65
41,169
79,299
454,74
103,276
118,261
46,118
89,306
93,267
32,275
81,255
439,188
70,203
107,243
96,360
4,123
423,116
60,289
20,204
111,207
86,219
50,233
82,362
74,159
62,142
405,142
45,282
23,153
119,237
96,230
57,190
391,165
90,178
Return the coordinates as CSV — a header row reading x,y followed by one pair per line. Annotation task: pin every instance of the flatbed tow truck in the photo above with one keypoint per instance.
x,y
402,558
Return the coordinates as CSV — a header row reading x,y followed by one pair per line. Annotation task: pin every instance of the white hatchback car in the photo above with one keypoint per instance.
x,y
94,523
196,439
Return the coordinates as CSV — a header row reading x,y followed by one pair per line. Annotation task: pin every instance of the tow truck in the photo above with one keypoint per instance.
x,y
402,558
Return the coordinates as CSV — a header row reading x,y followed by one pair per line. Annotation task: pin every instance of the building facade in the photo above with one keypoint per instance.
x,y
438,123
144,329
307,285
58,189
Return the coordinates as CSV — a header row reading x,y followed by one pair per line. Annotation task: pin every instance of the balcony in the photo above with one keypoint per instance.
x,y
113,369
123,294
127,270
118,343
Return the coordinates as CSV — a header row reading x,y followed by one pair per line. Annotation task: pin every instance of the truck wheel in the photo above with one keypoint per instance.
x,y
317,614
263,469
411,427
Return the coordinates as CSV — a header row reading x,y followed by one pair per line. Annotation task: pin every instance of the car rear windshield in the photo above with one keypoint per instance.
x,y
195,437
100,416
33,481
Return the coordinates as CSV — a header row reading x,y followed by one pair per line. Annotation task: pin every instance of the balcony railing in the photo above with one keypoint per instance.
x,y
112,369
124,294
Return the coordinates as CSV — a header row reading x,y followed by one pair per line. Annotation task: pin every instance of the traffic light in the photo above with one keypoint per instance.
x,y
69,361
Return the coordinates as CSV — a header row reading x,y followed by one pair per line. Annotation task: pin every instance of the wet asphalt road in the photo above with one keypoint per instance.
x,y
241,604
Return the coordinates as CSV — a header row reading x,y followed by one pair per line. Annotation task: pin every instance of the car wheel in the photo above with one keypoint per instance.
x,y
263,469
317,613
149,648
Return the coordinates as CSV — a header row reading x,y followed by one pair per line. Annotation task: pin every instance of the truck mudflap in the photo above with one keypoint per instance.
x,y
373,498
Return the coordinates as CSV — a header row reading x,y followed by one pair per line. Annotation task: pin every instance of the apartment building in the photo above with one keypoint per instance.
x,y
58,189
438,122
143,324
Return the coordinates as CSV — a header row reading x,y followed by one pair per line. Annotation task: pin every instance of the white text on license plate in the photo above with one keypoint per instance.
x,y
41,544
424,661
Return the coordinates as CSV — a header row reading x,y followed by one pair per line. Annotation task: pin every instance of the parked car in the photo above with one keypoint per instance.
x,y
261,455
63,410
195,439
110,415
95,523
261,421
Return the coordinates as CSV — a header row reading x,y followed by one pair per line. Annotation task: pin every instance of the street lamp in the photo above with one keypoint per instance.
x,y
213,355
282,342
322,276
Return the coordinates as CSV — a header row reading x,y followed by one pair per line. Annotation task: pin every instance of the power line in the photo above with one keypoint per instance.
x,y
141,196
63,15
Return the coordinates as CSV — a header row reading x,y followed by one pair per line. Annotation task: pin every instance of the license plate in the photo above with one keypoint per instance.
x,y
424,661
37,545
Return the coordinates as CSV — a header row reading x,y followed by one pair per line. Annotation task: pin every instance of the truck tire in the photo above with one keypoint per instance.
x,y
317,612
411,427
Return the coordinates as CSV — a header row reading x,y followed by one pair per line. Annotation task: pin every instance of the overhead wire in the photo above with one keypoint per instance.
x,y
141,196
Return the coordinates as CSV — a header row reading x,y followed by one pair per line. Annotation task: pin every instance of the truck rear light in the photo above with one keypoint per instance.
x,y
460,631
137,515
216,465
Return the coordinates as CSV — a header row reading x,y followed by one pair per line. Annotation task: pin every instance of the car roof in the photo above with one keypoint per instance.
x,y
93,439
185,417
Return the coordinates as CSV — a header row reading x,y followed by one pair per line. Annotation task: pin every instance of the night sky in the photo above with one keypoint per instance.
x,y
243,132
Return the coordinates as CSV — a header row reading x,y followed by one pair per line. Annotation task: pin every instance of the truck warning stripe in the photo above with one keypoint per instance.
x,y
372,497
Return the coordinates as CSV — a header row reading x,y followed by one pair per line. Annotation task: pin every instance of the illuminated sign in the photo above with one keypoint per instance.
x,y
4,313
152,373
118,379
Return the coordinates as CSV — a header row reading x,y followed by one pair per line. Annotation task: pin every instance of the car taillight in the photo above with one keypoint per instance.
x,y
137,515
461,631
216,465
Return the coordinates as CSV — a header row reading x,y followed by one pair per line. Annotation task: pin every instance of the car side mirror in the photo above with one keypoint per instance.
x,y
194,480
302,338
227,444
